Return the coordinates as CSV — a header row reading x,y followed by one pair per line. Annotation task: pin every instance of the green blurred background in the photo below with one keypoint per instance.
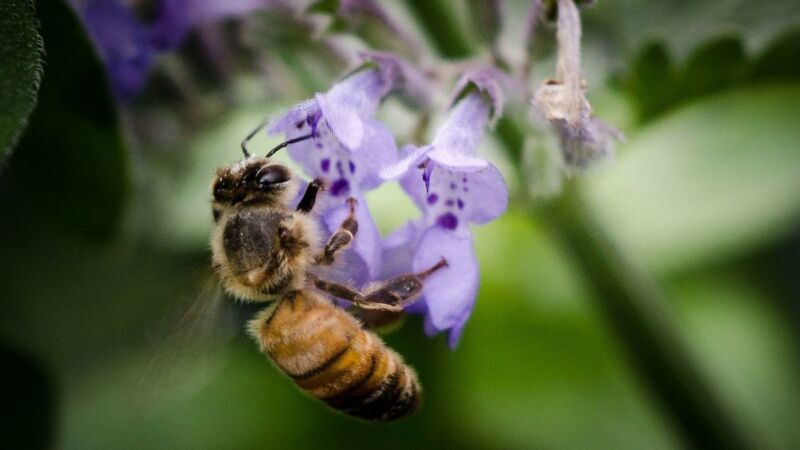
x,y
104,222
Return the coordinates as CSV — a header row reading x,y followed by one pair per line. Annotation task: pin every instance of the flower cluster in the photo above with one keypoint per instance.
x,y
453,187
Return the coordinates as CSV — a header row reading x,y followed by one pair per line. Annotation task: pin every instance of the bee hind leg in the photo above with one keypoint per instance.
x,y
342,237
390,295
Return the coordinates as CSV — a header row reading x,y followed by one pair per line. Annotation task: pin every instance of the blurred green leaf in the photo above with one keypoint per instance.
x,y
29,409
20,69
714,66
71,163
747,348
710,180
651,80
656,85
682,24
780,60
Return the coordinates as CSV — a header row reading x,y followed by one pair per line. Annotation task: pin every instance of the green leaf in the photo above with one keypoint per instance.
x,y
714,66
656,84
71,164
747,348
681,24
779,61
20,69
651,81
717,178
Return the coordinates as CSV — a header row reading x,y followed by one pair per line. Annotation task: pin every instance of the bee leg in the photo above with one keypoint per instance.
x,y
391,295
310,196
342,237
397,292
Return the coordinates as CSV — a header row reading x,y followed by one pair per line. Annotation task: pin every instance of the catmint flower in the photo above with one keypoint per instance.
x,y
562,101
453,187
347,147
128,46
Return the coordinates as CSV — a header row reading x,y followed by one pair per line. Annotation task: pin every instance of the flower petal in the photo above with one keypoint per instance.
x,y
378,151
489,81
361,91
367,243
487,197
458,138
170,25
343,120
414,186
410,157
405,78
449,294
288,121
123,44
458,162
398,249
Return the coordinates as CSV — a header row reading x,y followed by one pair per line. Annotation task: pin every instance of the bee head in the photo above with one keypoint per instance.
x,y
254,180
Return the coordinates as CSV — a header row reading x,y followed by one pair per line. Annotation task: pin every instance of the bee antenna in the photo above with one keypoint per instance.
x,y
287,142
251,134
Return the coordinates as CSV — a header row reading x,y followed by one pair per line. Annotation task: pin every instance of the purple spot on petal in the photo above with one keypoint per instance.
x,y
432,199
313,120
325,165
426,175
340,187
300,125
449,202
352,166
464,179
452,186
319,144
460,204
447,220
466,189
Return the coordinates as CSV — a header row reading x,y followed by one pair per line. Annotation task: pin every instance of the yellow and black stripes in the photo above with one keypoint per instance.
x,y
330,356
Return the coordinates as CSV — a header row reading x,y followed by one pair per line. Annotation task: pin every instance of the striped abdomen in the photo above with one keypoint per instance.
x,y
330,356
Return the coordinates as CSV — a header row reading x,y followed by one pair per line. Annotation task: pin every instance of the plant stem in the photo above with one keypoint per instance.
x,y
636,309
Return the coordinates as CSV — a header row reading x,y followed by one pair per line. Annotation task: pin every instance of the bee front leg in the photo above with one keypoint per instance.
x,y
310,196
342,237
390,295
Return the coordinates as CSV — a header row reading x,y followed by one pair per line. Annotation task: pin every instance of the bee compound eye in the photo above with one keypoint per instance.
x,y
272,174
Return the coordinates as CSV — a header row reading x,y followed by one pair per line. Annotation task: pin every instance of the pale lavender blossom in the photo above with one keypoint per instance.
x,y
562,101
453,187
346,147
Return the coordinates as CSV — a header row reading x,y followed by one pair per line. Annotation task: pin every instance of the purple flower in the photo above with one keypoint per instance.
x,y
347,149
128,47
453,188
123,43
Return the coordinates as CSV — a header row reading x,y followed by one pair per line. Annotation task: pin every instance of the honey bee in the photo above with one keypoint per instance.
x,y
264,251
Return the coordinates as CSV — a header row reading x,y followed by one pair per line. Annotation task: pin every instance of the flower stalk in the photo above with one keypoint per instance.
x,y
636,310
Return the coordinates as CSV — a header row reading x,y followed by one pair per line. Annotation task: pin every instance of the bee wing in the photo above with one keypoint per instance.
x,y
191,352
